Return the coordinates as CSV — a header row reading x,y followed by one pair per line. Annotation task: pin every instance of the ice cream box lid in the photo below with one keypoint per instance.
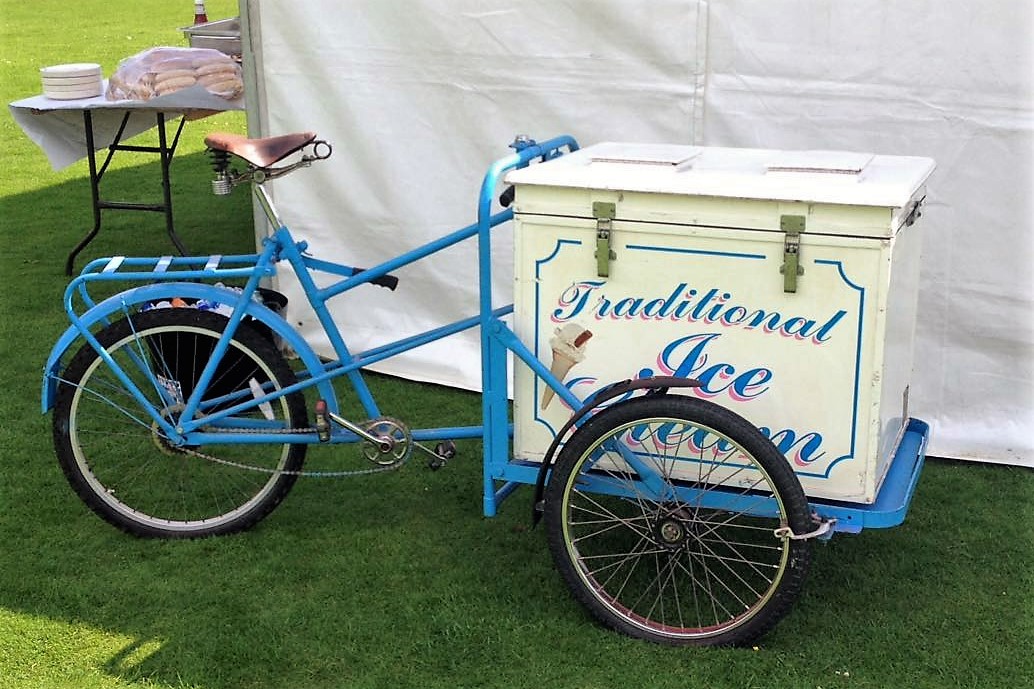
x,y
820,176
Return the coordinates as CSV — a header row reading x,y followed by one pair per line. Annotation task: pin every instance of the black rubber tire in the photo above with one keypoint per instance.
x,y
116,459
601,524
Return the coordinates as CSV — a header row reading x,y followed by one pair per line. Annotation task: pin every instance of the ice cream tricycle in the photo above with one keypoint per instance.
x,y
669,331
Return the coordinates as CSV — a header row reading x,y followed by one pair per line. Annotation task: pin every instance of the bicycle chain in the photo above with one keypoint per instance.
x,y
309,474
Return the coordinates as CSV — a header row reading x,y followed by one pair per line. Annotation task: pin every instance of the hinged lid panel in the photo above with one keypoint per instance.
x,y
695,174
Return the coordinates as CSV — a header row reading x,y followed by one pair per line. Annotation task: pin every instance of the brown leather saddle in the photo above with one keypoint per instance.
x,y
260,152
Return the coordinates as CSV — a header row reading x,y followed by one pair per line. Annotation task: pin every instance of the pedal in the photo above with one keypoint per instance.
x,y
440,455
322,421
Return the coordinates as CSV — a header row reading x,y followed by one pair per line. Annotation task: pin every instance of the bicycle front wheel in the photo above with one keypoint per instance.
x,y
688,550
118,460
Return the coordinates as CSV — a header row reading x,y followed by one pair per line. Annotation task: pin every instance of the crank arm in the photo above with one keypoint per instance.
x,y
437,460
368,437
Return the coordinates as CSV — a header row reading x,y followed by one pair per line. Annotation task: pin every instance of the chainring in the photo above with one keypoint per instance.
x,y
395,445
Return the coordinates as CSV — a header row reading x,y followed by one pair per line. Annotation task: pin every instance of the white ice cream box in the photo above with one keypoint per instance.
x,y
785,281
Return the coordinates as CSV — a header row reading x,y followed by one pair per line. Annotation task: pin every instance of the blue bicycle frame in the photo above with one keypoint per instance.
x,y
169,277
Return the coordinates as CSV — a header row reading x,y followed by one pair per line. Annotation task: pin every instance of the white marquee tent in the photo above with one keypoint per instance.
x,y
419,96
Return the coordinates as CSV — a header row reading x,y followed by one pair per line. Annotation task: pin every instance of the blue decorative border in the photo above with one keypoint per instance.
x,y
725,254
699,252
857,366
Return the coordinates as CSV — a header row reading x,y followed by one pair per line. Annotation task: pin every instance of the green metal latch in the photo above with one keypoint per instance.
x,y
793,226
604,212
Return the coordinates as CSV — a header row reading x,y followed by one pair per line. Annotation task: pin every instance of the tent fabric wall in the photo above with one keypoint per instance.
x,y
950,80
419,96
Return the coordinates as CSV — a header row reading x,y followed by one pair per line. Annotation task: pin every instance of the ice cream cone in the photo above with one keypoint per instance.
x,y
568,349
559,368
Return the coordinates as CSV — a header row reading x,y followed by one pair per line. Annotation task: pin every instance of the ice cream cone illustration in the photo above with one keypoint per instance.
x,y
568,346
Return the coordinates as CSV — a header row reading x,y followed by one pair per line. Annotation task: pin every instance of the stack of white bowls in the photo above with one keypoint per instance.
x,y
70,82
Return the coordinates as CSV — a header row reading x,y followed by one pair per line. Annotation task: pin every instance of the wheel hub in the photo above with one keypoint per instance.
x,y
671,532
158,437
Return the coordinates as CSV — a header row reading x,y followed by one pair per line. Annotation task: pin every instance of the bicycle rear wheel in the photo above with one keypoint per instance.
x,y
693,558
124,467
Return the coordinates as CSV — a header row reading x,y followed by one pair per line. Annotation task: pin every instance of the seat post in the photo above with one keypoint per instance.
x,y
267,205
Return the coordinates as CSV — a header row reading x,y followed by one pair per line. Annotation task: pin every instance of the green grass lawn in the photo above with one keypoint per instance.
x,y
396,580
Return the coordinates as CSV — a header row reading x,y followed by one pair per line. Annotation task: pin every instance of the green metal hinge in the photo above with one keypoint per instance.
x,y
792,226
604,212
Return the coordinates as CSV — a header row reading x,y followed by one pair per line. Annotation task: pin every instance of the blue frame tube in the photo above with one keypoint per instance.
x,y
339,436
359,361
292,253
494,398
448,433
263,266
404,259
318,299
372,356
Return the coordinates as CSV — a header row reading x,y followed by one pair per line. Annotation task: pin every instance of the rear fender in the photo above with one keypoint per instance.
x,y
656,385
125,303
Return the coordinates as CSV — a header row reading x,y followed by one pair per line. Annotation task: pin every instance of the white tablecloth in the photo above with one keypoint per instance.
x,y
56,126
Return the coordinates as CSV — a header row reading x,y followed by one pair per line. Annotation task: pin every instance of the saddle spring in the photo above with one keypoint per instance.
x,y
222,184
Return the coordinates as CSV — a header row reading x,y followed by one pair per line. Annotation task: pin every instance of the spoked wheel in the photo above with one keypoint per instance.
x,y
127,470
687,551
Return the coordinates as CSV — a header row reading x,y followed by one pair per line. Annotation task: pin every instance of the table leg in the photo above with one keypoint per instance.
x,y
94,188
166,154
165,151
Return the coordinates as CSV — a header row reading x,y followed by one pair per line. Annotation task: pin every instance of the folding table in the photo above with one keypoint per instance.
x,y
69,130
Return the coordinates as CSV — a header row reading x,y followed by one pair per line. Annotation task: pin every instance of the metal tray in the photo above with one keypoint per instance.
x,y
223,35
